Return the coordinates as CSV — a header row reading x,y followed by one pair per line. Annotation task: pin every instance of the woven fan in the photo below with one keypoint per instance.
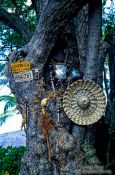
x,y
84,102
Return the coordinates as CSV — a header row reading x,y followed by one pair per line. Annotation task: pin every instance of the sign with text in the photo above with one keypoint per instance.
x,y
23,76
20,66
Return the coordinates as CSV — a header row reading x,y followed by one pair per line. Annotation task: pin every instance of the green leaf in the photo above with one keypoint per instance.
x,y
2,69
3,82
4,116
10,159
8,105
7,98
10,102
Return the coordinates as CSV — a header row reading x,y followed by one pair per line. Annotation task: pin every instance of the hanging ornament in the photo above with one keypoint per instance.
x,y
43,104
52,81
75,73
24,116
41,84
58,110
84,102
46,125
24,120
60,70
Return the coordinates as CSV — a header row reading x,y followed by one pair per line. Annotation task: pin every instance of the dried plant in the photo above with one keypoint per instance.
x,y
46,126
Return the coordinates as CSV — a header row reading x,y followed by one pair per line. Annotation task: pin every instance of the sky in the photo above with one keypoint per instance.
x,y
13,123
108,4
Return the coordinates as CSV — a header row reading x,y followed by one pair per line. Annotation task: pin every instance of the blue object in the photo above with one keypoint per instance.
x,y
75,73
60,71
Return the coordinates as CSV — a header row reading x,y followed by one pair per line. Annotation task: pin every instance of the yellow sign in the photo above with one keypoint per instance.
x,y
20,66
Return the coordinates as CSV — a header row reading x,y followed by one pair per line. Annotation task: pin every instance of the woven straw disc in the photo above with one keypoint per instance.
x,y
84,102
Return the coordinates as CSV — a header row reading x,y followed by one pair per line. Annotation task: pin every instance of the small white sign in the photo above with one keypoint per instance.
x,y
23,76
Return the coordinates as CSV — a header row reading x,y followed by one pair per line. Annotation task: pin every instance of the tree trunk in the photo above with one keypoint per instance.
x,y
81,24
111,52
57,150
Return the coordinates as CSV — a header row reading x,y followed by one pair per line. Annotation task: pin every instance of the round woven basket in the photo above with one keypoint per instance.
x,y
84,102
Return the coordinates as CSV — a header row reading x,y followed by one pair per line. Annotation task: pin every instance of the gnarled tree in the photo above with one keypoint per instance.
x,y
66,30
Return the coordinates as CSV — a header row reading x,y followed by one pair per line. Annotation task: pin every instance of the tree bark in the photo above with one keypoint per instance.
x,y
61,152
92,57
64,160
51,22
111,52
94,36
81,24
101,60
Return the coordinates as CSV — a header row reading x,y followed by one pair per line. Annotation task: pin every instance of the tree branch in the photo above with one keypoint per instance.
x,y
94,36
53,19
35,4
81,23
15,23
16,6
38,6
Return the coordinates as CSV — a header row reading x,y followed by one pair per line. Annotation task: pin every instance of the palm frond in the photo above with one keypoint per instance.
x,y
8,105
3,81
7,98
10,102
6,115
2,69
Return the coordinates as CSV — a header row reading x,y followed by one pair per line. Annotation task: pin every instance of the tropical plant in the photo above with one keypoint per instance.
x,y
10,160
3,80
9,100
9,108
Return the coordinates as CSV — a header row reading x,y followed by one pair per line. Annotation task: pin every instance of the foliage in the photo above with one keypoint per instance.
x,y
10,102
10,160
9,38
21,9
4,116
90,152
1,69
3,80
108,19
